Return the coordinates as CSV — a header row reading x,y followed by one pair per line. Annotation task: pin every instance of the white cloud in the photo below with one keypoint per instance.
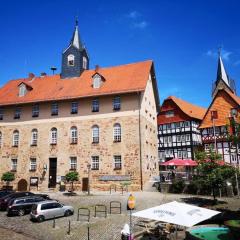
x,y
142,24
237,63
224,53
136,20
134,14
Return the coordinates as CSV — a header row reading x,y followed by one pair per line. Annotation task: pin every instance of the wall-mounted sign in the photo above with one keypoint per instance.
x,y
115,178
34,181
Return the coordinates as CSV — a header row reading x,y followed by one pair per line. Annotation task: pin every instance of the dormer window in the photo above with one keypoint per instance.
x,y
96,81
22,90
84,63
71,59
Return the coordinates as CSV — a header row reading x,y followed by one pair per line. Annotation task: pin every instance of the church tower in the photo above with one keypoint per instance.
x,y
75,58
222,80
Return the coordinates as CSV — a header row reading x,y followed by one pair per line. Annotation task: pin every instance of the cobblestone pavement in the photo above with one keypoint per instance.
x,y
101,228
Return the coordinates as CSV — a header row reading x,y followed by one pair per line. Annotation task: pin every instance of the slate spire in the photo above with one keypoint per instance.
x,y
222,79
76,41
75,58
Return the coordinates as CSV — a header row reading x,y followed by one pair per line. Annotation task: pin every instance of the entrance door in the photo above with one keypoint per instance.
x,y
84,184
22,185
52,172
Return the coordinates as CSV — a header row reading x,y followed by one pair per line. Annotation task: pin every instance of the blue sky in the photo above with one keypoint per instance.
x,y
181,37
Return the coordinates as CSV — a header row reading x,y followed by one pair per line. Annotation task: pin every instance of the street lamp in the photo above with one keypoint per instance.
x,y
89,168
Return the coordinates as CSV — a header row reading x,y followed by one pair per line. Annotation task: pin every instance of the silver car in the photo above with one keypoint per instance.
x,y
50,209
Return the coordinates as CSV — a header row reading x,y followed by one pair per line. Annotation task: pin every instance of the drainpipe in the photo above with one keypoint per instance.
x,y
140,138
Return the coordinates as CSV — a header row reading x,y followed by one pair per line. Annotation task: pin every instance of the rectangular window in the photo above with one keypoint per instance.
x,y
54,109
95,162
74,107
179,154
178,138
116,103
183,138
169,139
169,114
1,113
95,105
33,164
187,124
169,125
17,113
35,110
177,125
185,155
14,165
117,162
187,137
73,163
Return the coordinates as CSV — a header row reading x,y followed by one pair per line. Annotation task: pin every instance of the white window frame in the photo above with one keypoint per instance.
x,y
84,62
169,114
95,134
73,163
95,163
14,164
117,159
117,132
33,164
74,107
15,142
35,110
97,81
117,103
34,137
53,136
17,113
73,135
95,105
54,109
22,90
71,60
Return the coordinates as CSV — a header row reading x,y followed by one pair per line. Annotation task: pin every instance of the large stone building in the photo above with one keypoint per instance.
x,y
178,131
105,118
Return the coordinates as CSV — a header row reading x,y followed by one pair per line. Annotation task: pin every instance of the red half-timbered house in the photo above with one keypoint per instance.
x,y
178,131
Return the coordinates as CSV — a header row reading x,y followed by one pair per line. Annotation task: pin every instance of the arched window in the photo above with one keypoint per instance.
x,y
1,139
117,132
34,138
16,138
95,134
71,60
84,63
53,136
73,135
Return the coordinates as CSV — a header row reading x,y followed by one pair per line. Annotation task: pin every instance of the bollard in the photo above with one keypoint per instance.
x,y
54,222
69,227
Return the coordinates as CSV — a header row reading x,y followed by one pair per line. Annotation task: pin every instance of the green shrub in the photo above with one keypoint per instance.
x,y
177,186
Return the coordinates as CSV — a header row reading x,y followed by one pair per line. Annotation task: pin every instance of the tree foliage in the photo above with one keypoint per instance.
x,y
72,177
210,173
8,177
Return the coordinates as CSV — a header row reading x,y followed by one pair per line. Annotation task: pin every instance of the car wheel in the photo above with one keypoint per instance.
x,y
21,212
68,213
40,218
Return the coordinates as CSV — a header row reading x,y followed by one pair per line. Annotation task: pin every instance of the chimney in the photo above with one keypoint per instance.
x,y
43,74
31,76
96,68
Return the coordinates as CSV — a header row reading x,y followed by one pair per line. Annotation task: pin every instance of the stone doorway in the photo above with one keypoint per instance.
x,y
84,184
22,185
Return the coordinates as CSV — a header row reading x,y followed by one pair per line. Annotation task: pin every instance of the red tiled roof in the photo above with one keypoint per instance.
x,y
189,109
223,102
119,79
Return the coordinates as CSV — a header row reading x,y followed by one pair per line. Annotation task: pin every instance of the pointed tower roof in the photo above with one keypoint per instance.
x,y
221,72
76,41
222,80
